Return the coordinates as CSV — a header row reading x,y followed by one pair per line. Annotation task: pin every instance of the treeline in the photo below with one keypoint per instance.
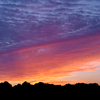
x,y
50,91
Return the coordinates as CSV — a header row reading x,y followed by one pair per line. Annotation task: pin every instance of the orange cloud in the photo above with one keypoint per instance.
x,y
51,62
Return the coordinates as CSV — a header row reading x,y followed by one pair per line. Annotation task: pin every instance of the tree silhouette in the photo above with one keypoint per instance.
x,y
43,90
5,85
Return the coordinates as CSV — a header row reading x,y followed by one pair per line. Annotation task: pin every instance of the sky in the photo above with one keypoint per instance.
x,y
52,41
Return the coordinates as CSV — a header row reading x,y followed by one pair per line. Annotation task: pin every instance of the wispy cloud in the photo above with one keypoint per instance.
x,y
43,40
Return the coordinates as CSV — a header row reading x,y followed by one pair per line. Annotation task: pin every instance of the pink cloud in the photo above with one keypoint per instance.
x,y
51,61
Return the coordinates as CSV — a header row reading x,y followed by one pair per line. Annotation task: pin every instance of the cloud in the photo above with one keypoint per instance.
x,y
45,21
51,61
43,40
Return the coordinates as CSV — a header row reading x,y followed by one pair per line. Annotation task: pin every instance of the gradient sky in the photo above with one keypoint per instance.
x,y
53,41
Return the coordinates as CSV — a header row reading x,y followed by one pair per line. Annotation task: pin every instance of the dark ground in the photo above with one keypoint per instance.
x,y
49,91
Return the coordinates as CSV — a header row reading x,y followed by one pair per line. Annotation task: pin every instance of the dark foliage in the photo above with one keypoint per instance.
x,y
50,91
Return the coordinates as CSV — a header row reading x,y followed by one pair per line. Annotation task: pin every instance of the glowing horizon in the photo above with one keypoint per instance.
x,y
50,41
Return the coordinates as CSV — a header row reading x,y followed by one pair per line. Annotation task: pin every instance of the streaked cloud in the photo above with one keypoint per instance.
x,y
48,39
